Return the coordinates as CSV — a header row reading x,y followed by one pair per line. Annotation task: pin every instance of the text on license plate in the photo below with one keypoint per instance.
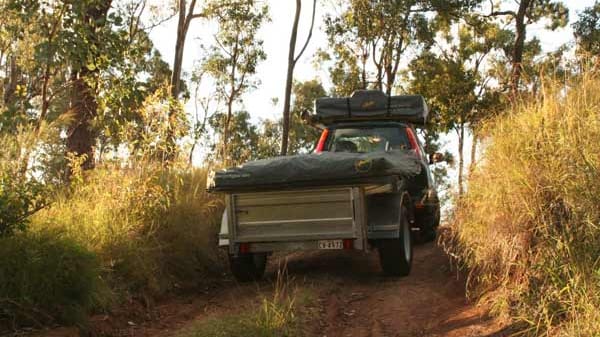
x,y
331,244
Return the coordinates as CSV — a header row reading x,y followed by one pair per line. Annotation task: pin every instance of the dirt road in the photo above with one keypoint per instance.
x,y
357,301
351,298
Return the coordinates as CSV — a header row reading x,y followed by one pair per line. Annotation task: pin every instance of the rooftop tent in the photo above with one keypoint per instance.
x,y
371,105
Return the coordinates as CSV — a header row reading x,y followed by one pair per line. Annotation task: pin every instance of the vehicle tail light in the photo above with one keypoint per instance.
x,y
412,138
419,205
322,140
244,248
348,243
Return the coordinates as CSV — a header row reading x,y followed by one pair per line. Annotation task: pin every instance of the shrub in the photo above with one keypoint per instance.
x,y
22,192
528,226
46,278
153,228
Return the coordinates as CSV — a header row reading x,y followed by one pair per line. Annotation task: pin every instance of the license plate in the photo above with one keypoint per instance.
x,y
331,244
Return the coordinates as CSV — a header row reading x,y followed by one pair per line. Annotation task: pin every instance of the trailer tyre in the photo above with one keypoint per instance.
x,y
248,267
395,255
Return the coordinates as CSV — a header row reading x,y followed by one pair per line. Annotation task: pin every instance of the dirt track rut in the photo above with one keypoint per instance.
x,y
357,301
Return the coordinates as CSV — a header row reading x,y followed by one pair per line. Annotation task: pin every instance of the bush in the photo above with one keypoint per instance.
x,y
153,228
22,192
528,226
46,278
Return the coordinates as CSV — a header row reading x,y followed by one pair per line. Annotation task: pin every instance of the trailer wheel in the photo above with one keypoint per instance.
x,y
248,267
395,255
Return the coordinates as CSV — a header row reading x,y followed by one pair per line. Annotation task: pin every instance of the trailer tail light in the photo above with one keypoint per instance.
x,y
412,138
244,248
322,140
348,243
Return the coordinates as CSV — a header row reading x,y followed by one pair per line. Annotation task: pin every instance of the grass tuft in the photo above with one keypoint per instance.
x,y
528,228
277,316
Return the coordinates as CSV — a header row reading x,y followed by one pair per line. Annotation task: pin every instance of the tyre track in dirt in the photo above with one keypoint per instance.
x,y
355,300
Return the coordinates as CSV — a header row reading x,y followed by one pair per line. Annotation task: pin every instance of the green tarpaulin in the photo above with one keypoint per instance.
x,y
318,169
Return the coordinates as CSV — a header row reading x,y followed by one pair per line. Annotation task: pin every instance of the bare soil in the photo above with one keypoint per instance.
x,y
353,299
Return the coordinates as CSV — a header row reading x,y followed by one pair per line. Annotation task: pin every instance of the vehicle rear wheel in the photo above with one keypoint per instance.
x,y
395,255
428,232
248,267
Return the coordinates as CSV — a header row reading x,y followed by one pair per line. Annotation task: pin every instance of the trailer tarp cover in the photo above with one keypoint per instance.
x,y
318,169
369,105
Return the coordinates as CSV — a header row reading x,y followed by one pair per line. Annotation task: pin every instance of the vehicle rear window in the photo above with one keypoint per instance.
x,y
368,139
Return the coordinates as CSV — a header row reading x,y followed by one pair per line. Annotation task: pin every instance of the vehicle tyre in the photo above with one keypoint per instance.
x,y
428,232
395,255
248,267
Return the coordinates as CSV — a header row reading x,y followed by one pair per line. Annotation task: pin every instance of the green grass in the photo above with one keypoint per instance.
x,y
151,227
117,234
528,228
282,314
46,278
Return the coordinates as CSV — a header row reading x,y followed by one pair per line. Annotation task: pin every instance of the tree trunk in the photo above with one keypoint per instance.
x,y
288,83
81,136
11,86
473,153
183,25
461,139
517,56
225,150
179,47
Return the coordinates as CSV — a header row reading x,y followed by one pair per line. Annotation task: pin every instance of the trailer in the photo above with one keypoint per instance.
x,y
366,187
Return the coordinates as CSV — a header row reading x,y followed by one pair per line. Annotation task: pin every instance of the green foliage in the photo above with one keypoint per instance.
x,y
527,228
29,173
302,137
18,200
159,117
45,47
587,29
46,278
243,136
232,61
368,39
554,11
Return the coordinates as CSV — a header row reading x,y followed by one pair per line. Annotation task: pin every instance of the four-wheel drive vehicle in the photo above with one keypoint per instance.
x,y
366,186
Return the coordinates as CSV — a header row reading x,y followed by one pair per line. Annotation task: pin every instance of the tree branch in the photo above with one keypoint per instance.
x,y
502,13
312,23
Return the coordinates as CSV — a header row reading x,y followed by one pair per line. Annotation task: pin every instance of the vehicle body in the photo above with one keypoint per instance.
x,y
421,189
369,213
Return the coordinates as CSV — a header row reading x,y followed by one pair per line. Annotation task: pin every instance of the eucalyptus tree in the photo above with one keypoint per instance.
x,y
232,59
292,60
302,137
368,40
587,29
527,12
461,62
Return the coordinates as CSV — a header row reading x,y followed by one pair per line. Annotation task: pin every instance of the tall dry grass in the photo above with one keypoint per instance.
x,y
153,229
528,228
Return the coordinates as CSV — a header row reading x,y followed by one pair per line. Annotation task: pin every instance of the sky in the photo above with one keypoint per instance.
x,y
275,34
